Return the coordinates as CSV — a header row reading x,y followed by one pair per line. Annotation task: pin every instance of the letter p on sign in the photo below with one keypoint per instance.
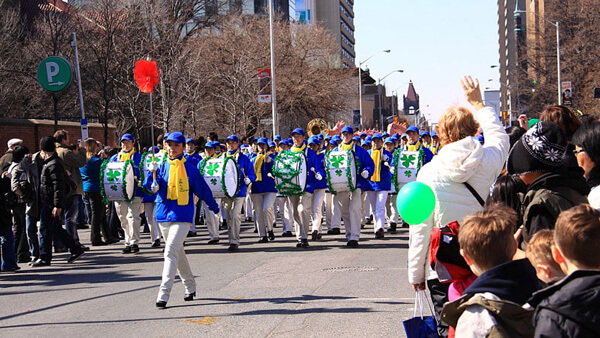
x,y
54,73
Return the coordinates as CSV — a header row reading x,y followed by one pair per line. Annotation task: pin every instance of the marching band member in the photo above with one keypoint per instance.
x,y
333,217
233,207
302,205
350,202
435,142
392,211
426,139
414,143
319,193
149,201
129,213
263,192
176,182
285,206
191,155
366,204
212,219
380,183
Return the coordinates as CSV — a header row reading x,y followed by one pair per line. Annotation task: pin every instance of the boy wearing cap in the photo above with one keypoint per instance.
x,y
320,186
414,143
176,182
302,205
191,151
129,213
350,202
380,182
392,211
284,203
263,191
233,207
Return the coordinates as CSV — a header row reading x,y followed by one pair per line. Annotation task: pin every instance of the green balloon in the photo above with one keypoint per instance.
x,y
415,202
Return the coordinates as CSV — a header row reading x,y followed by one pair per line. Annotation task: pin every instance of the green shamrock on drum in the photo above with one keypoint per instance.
x,y
212,168
407,160
113,175
337,161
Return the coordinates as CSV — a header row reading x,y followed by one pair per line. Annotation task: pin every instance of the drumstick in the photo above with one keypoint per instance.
x,y
243,173
271,176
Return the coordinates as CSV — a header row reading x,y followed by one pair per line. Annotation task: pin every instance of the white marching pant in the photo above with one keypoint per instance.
x,y
129,215
392,211
263,204
287,216
366,207
302,211
317,212
212,220
350,206
233,215
378,201
248,207
150,212
176,261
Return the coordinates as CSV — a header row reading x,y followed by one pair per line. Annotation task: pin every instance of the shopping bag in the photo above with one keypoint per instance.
x,y
421,326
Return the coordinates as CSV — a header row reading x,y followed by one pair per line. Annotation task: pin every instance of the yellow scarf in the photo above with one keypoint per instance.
x,y
178,186
344,146
413,147
434,149
191,154
376,156
126,156
258,166
299,149
235,153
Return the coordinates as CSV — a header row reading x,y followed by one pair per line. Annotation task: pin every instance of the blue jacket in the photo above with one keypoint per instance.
x,y
385,182
137,158
364,162
267,184
168,210
313,161
245,169
194,158
90,174
322,184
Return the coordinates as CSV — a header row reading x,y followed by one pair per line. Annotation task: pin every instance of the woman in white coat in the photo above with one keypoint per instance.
x,y
461,159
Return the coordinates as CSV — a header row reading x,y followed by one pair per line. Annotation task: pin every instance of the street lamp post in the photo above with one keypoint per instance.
x,y
557,25
379,94
360,63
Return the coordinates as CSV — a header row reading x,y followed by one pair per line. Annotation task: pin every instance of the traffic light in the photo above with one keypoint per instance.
x,y
534,82
504,115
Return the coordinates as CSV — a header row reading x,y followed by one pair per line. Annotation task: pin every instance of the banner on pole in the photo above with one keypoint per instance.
x,y
567,92
264,85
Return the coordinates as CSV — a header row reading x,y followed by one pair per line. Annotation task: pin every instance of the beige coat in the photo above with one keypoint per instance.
x,y
72,163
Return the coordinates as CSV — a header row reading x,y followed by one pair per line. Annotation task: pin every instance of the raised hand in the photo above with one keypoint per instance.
x,y
472,92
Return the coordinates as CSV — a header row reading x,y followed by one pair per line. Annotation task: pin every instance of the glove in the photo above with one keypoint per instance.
x,y
247,181
154,187
365,174
386,158
268,160
153,166
392,170
318,176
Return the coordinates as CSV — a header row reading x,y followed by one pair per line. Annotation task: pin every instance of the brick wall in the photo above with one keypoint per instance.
x,y
31,131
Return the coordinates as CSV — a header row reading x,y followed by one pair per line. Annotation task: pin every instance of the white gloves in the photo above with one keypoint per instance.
x,y
318,176
365,174
247,181
392,170
153,166
386,157
154,187
268,159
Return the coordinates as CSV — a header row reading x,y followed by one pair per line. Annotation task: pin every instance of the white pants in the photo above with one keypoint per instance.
x,y
317,211
366,207
233,214
392,211
248,207
302,210
150,212
287,216
350,205
334,212
129,215
212,221
174,234
378,201
264,215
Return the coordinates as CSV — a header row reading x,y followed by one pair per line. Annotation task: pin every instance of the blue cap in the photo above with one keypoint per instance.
x,y
394,138
216,143
424,132
253,139
320,136
396,135
289,142
165,136
127,137
189,139
262,140
277,138
233,138
243,146
356,138
404,135
365,143
298,131
433,133
271,144
155,149
209,144
389,140
314,140
385,135
363,134
176,137
336,139
412,128
328,137
347,129
369,138
377,135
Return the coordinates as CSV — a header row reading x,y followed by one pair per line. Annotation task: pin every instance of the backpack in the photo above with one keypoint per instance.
x,y
445,257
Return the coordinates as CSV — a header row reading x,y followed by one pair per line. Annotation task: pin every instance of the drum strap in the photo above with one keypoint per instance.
x,y
299,149
344,146
413,147
234,154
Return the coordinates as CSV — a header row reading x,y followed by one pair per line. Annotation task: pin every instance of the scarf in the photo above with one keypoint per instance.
x,y
178,186
233,154
258,166
192,153
299,149
434,149
376,155
413,147
125,156
344,146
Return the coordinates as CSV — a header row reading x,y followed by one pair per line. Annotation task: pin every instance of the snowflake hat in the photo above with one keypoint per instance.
x,y
541,148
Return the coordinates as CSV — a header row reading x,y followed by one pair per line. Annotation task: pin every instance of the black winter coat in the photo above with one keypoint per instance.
x,y
569,308
52,182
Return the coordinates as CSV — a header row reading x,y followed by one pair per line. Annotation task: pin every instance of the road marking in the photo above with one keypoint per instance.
x,y
204,321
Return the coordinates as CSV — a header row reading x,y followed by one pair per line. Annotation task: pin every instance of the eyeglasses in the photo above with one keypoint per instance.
x,y
575,152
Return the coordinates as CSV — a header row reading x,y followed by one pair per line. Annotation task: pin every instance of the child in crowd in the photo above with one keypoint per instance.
x,y
539,253
570,308
492,304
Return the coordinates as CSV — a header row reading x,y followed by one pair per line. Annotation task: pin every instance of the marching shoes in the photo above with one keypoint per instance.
x,y
189,297
379,234
271,235
264,240
161,304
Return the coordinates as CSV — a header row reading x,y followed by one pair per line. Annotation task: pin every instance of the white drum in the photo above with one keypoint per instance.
x,y
407,165
341,171
291,173
147,158
222,176
118,181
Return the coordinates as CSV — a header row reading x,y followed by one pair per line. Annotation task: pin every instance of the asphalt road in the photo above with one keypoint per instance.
x,y
264,290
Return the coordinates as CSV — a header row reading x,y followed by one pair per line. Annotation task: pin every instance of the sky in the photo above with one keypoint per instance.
x,y
435,43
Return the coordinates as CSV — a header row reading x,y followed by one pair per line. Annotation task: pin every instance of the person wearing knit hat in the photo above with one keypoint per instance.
x,y
6,159
537,158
